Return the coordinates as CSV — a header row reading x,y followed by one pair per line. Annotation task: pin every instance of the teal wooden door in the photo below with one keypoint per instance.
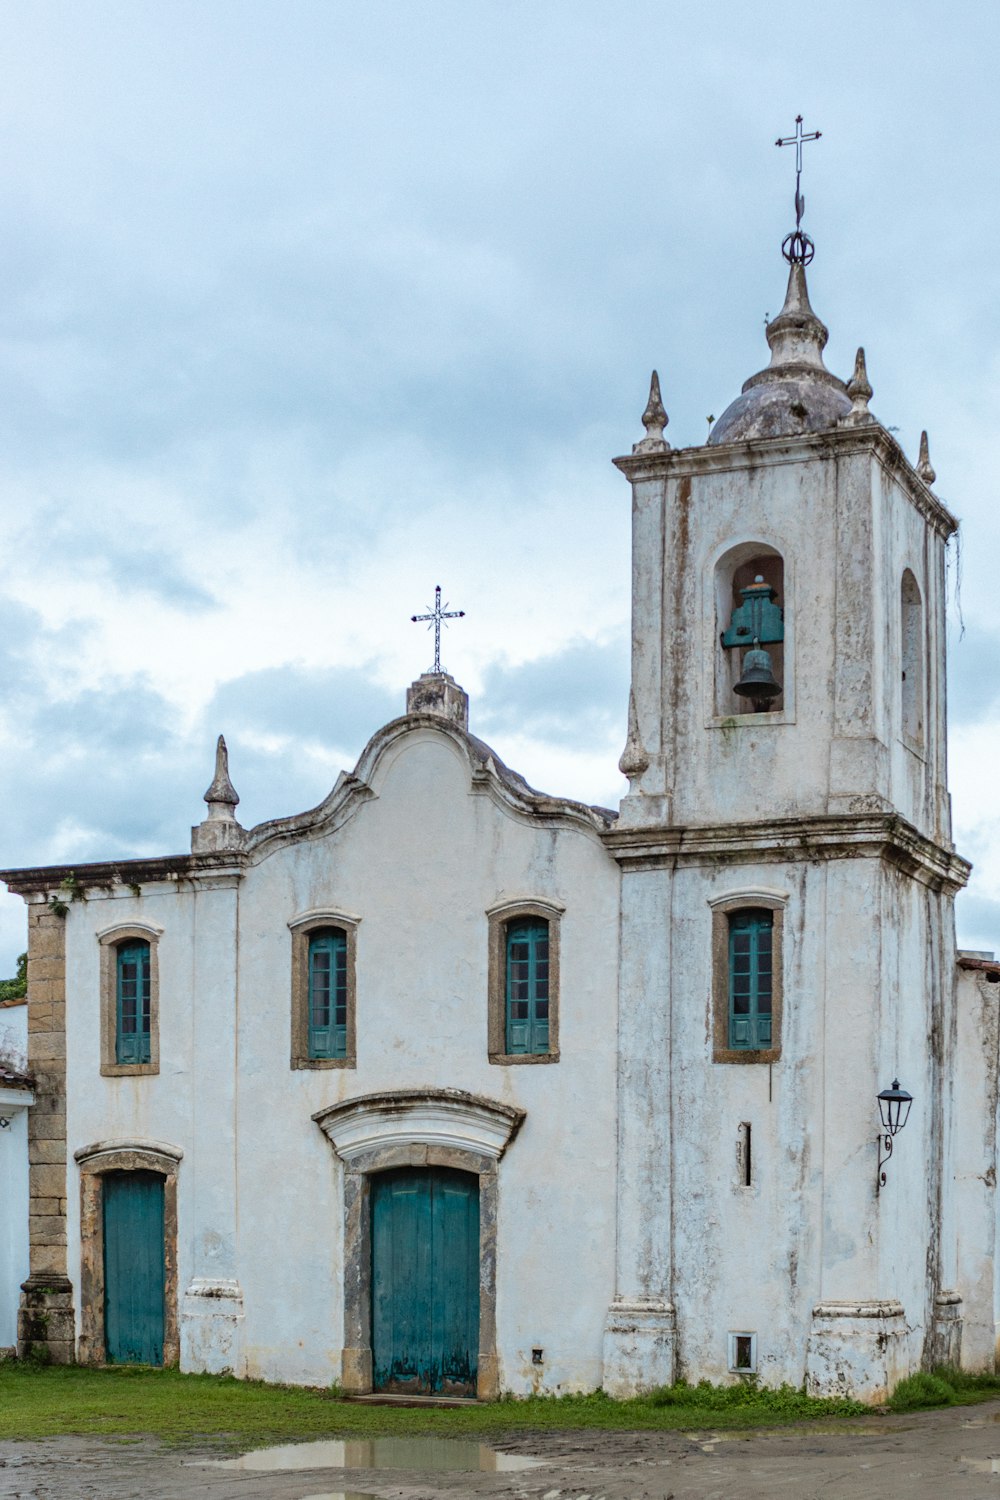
x,y
425,1281
133,1268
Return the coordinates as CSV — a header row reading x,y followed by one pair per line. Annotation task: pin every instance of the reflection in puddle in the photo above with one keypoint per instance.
x,y
982,1465
426,1455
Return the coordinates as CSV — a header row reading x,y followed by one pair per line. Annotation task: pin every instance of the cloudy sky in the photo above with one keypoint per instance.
x,y
306,307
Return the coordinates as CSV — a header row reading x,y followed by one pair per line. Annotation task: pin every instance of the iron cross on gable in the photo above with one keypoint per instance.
x,y
798,140
436,616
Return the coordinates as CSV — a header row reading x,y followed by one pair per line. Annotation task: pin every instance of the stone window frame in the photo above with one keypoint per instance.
x,y
722,907
110,940
95,1161
300,927
499,918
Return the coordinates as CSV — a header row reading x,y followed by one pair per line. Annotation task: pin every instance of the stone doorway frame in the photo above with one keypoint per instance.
x,y
94,1162
416,1128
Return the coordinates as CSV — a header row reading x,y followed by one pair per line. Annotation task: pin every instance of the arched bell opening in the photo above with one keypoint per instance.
x,y
751,662
912,665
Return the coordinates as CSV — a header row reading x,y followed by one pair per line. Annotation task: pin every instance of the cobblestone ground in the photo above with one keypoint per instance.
x,y
947,1455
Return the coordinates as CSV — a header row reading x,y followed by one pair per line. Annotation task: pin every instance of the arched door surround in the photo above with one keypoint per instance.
x,y
95,1162
416,1128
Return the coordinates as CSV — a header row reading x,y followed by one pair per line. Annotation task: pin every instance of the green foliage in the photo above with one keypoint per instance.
x,y
16,988
782,1403
943,1387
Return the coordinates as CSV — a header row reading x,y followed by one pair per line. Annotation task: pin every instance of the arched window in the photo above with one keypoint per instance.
x,y
912,654
327,993
133,1003
528,986
750,610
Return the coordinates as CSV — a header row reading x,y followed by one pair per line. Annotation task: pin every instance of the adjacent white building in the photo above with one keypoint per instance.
x,y
449,1085
16,1098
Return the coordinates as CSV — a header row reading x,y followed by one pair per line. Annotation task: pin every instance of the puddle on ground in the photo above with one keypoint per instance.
x,y
424,1455
979,1465
342,1495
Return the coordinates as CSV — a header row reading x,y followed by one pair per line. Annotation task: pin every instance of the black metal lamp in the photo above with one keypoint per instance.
x,y
894,1110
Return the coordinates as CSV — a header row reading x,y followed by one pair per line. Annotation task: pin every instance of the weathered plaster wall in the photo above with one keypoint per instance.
x,y
974,1165
259,1188
847,516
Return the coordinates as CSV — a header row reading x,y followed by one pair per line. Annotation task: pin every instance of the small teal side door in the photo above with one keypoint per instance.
x,y
134,1272
425,1281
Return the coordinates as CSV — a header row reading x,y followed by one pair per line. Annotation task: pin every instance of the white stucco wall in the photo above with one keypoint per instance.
x,y
259,1187
13,1174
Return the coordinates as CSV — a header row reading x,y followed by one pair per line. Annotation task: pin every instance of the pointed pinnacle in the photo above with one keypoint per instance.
x,y
860,388
860,391
654,419
924,466
222,789
634,759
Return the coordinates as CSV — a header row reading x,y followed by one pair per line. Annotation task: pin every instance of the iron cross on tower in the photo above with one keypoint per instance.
x,y
436,616
798,246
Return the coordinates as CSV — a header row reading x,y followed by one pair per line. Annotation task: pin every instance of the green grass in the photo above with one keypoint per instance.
x,y
943,1387
39,1402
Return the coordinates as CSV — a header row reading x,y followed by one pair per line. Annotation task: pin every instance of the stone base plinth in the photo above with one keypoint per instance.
x,y
356,1371
946,1336
857,1349
212,1326
640,1346
46,1324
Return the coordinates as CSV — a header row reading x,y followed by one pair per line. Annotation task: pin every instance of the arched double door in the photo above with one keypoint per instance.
x,y
425,1281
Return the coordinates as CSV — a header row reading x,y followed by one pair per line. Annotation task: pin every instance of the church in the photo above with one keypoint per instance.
x,y
698,1087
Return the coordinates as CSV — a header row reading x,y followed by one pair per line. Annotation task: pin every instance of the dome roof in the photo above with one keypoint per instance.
x,y
796,393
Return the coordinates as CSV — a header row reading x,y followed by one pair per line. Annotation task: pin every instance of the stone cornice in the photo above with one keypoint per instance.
x,y
779,840
122,872
677,463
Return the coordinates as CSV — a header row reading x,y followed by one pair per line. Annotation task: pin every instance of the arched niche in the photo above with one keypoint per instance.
x,y
911,613
738,568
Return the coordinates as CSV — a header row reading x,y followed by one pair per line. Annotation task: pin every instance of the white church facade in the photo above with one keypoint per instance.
x,y
452,1086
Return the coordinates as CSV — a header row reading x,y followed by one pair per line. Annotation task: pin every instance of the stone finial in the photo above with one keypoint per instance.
x,y
220,832
797,336
924,467
860,391
654,419
221,795
634,758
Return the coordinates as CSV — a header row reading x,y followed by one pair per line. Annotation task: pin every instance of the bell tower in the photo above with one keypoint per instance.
x,y
787,931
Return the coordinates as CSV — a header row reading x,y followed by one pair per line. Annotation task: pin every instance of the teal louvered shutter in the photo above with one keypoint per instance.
x,y
528,987
750,978
328,993
133,1001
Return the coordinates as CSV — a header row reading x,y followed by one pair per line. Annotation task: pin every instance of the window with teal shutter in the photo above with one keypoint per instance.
x,y
750,978
134,997
328,993
528,986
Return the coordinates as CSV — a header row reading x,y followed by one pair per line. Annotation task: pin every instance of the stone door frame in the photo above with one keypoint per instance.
x,y
95,1162
416,1128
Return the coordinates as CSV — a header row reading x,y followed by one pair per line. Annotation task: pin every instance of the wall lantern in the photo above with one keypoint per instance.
x,y
894,1109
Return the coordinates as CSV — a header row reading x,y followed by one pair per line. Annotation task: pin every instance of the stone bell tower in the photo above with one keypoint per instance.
x,y
788,880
